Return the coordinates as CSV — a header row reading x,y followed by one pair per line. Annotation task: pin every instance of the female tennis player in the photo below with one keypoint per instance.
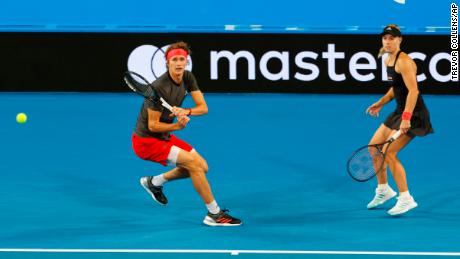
x,y
152,139
410,116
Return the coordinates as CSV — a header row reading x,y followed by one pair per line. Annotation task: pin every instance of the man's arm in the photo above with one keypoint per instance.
x,y
201,108
155,125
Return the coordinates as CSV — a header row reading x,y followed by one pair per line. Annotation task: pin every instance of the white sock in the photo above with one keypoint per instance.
x,y
383,187
213,207
405,194
159,180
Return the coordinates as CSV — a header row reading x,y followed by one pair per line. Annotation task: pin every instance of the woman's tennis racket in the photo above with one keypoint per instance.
x,y
141,86
368,161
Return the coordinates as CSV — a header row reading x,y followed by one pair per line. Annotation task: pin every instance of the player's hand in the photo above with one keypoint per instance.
x,y
177,111
182,121
404,126
374,109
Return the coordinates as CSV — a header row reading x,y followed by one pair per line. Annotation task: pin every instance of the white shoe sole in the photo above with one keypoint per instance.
x,y
403,211
383,201
143,182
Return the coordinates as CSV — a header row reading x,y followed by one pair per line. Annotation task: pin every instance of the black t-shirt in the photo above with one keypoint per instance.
x,y
173,93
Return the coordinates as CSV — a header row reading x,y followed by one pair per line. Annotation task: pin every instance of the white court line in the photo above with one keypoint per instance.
x,y
232,252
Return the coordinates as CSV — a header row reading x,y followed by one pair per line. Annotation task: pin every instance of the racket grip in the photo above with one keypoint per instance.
x,y
396,135
165,104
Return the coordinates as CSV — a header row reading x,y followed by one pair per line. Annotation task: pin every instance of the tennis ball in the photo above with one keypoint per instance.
x,y
21,117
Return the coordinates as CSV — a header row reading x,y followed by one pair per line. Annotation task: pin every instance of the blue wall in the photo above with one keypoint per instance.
x,y
359,16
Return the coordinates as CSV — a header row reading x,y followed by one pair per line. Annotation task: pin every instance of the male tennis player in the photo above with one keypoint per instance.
x,y
152,139
411,117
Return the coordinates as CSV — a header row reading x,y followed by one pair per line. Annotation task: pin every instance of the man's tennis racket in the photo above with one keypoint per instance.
x,y
141,86
368,161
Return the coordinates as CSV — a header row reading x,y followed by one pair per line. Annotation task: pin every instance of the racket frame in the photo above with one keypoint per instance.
x,y
149,85
382,152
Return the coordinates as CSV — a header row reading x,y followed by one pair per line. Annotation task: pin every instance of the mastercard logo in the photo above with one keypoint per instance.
x,y
149,61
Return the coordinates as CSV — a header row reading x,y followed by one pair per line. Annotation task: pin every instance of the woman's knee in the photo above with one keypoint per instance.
x,y
391,157
380,135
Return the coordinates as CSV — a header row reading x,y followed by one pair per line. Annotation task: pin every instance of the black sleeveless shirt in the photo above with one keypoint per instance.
x,y
400,90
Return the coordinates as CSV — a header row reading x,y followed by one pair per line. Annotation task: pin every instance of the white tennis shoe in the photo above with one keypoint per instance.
x,y
381,196
403,205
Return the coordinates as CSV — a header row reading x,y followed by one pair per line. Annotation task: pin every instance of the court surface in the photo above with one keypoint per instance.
x,y
70,180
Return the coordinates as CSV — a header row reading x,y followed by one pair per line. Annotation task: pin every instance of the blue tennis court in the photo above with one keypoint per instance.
x,y
70,180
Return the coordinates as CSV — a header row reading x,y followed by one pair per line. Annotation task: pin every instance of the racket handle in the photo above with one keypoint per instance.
x,y
165,104
395,136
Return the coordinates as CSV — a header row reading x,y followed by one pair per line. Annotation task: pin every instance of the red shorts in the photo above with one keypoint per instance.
x,y
157,150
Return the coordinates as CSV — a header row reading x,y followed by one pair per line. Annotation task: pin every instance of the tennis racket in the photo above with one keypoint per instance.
x,y
368,161
141,86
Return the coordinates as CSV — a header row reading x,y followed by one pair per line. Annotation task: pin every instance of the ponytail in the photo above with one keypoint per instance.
x,y
381,52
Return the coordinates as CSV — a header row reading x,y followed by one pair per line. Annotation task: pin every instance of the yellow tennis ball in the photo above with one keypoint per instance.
x,y
21,117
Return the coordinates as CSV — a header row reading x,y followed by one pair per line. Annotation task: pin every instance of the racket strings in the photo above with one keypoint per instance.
x,y
365,163
149,91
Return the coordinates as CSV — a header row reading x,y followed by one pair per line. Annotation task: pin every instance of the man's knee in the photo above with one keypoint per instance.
x,y
202,163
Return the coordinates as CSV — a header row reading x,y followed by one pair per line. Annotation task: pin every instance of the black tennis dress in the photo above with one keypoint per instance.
x,y
420,121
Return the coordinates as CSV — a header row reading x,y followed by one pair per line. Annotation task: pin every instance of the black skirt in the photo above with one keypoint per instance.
x,y
420,122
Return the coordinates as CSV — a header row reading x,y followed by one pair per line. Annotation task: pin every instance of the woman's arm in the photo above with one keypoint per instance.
x,y
387,97
375,108
408,70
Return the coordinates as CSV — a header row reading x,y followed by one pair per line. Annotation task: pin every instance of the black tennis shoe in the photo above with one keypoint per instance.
x,y
221,219
155,191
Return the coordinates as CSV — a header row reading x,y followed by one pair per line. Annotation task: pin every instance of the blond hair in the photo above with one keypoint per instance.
x,y
382,49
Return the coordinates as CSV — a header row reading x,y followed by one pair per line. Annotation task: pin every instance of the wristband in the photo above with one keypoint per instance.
x,y
406,116
189,111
